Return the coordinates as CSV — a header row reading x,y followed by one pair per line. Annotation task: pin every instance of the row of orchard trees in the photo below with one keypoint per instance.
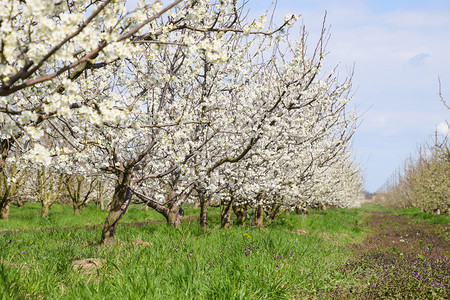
x,y
185,101
37,183
423,182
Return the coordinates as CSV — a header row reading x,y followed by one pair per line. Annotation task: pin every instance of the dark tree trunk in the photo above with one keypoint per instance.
x,y
226,215
203,201
204,214
119,205
272,213
158,207
174,215
241,213
259,216
5,146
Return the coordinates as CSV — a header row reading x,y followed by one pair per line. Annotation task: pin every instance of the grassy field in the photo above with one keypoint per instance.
x,y
326,254
29,216
295,255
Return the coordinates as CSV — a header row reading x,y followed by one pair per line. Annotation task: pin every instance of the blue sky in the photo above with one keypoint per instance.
x,y
398,49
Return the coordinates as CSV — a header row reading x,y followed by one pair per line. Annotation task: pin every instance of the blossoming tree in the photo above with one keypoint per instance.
x,y
176,102
47,47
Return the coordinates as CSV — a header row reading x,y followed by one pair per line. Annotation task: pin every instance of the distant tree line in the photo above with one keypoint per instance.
x,y
422,182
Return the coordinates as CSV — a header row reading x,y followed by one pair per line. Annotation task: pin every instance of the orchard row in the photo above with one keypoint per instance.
x,y
172,104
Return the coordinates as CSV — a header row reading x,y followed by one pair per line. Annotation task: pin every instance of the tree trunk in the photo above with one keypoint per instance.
x,y
79,191
119,205
174,215
5,146
226,215
170,217
45,209
100,196
273,212
76,210
8,190
301,210
241,213
259,216
48,192
4,211
204,213
203,201
20,203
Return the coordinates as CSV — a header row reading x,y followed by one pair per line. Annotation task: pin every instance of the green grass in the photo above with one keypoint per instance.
x,y
29,217
370,207
423,216
411,212
293,256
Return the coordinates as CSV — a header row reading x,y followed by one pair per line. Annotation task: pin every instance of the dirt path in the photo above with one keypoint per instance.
x,y
401,259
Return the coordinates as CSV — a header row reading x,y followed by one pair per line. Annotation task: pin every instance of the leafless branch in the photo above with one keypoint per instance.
x,y
440,95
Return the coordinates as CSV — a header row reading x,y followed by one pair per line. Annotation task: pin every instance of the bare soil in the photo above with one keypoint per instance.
x,y
402,259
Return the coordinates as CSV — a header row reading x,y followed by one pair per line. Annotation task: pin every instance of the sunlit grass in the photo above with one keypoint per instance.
x,y
419,215
295,255
28,217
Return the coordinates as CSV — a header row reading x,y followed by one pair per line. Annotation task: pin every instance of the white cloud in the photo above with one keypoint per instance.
x,y
443,128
